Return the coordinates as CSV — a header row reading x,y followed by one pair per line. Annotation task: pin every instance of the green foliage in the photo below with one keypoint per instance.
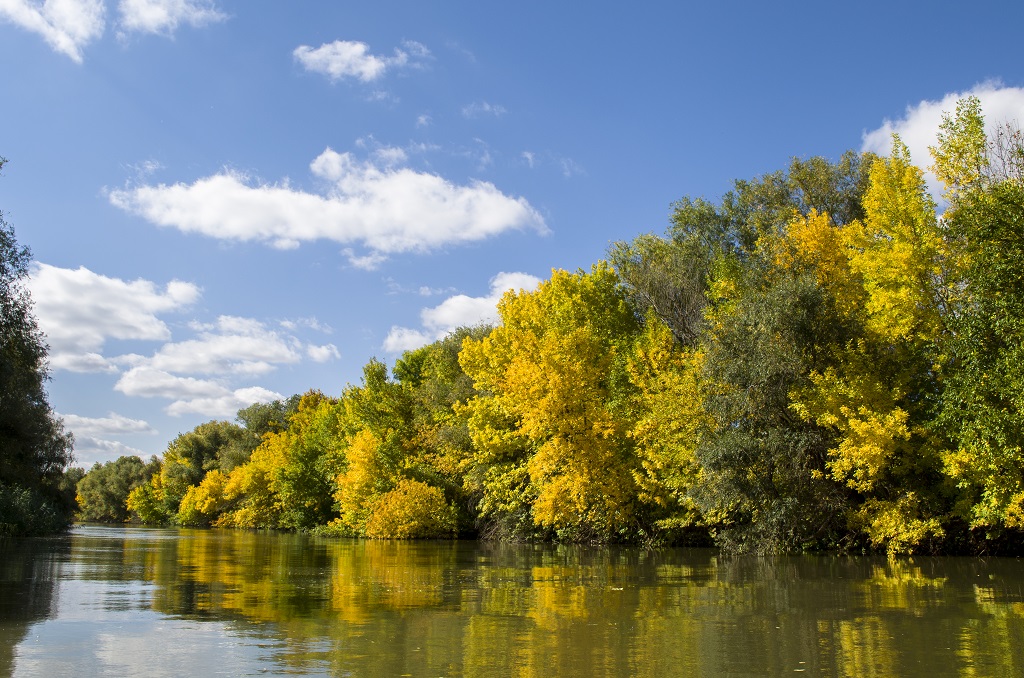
x,y
212,445
818,361
983,403
145,503
28,512
34,448
762,464
103,491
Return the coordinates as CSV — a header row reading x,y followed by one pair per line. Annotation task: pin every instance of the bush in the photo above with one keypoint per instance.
x,y
413,510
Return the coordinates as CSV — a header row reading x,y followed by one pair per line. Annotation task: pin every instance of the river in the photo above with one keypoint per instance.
x,y
123,601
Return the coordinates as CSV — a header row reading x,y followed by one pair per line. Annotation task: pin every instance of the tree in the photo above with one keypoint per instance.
x,y
34,448
211,445
103,492
982,406
555,370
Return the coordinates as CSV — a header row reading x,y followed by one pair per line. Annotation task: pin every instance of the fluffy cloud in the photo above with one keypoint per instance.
x,y
165,16
383,208
225,405
79,311
89,451
113,424
191,396
147,382
321,354
457,311
920,124
351,59
231,346
92,441
67,25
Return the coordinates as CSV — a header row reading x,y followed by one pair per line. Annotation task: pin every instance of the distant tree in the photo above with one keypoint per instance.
x,y
34,448
211,445
104,491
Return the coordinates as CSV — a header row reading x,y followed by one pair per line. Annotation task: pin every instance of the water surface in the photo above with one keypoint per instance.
x,y
117,601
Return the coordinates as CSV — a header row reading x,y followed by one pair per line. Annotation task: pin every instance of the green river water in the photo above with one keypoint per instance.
x,y
112,601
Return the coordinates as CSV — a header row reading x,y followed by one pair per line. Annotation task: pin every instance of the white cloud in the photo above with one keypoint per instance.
x,y
79,311
165,16
233,346
401,339
352,59
479,108
321,354
920,124
148,382
423,120
310,323
389,156
224,405
92,443
457,311
90,450
385,209
190,395
67,25
112,424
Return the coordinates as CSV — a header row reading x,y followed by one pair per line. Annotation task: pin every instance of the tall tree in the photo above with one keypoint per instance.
x,y
34,448
982,406
555,369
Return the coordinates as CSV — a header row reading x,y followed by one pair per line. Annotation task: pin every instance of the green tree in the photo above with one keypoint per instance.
x,y
211,445
34,448
983,402
103,491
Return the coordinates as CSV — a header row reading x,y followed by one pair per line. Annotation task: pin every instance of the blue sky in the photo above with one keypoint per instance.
x,y
237,201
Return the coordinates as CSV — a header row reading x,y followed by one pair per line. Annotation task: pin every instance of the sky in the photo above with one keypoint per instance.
x,y
233,202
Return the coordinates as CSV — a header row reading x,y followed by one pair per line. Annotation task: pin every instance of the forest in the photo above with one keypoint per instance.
x,y
828,358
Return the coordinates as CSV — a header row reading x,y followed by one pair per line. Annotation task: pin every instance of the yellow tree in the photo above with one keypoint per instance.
x,y
669,420
554,367
885,276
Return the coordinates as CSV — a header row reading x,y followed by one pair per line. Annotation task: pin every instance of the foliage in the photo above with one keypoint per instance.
x,y
820,360
412,510
983,403
104,490
211,445
34,448
556,366
204,502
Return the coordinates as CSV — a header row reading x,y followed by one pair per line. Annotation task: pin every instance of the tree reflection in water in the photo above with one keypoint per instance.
x,y
330,607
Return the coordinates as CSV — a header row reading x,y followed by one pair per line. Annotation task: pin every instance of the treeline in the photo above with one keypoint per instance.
x,y
821,360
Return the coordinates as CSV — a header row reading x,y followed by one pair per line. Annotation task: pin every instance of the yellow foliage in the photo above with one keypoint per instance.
x,y
413,510
864,410
548,367
250,488
899,250
361,484
815,243
669,422
896,525
203,503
